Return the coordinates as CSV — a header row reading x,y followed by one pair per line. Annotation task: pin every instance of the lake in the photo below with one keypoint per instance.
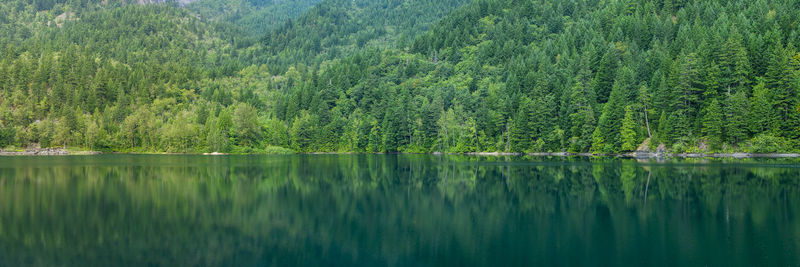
x,y
397,210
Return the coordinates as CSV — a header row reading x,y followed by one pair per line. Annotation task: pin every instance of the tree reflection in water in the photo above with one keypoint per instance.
x,y
396,210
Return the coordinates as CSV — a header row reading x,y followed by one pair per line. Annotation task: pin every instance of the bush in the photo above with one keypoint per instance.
x,y
7,135
767,143
277,150
680,147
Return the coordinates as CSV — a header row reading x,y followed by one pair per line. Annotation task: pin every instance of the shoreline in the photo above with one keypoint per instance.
x,y
649,155
637,155
47,152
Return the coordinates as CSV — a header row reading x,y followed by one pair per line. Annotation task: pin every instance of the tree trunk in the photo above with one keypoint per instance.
x,y
647,122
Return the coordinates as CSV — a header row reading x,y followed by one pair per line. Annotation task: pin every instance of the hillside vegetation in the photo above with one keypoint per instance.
x,y
338,28
251,17
408,76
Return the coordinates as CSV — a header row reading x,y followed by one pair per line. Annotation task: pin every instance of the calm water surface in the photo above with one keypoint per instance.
x,y
396,210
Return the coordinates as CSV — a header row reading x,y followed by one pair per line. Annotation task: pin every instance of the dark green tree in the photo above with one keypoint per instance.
x,y
713,122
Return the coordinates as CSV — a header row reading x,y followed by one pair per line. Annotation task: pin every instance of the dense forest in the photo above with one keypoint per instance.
x,y
338,28
250,18
401,76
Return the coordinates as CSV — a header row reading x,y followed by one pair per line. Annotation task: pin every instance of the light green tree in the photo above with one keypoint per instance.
x,y
246,126
628,131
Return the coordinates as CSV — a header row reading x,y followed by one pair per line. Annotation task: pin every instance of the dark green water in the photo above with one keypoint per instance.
x,y
396,210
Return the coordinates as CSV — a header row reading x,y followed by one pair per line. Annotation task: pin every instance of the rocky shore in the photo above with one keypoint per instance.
x,y
637,154
44,152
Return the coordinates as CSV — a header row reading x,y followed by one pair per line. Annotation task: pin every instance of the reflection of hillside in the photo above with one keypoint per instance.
x,y
395,209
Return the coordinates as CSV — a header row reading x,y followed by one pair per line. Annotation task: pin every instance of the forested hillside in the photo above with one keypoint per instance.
x,y
252,17
408,76
592,77
337,28
72,74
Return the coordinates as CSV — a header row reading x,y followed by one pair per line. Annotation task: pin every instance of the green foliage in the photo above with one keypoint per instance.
x,y
398,76
246,128
611,120
253,17
7,135
737,115
277,150
762,116
337,28
713,121
630,140
277,134
303,132
767,143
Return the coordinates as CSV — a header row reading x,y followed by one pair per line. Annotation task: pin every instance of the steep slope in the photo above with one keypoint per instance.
x,y
180,2
686,69
538,76
105,61
253,17
336,28
495,75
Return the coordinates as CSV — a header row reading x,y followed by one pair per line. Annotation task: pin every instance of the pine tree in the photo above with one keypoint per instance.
x,y
734,65
599,144
782,83
604,77
520,130
608,127
668,7
628,131
713,122
763,117
581,117
303,132
664,133
542,116
737,117
375,143
711,81
686,94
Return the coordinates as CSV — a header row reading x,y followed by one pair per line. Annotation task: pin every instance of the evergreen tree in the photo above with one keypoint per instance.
x,y
303,132
521,133
713,121
685,94
735,65
581,117
763,117
605,74
628,131
664,133
782,82
737,114
610,123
